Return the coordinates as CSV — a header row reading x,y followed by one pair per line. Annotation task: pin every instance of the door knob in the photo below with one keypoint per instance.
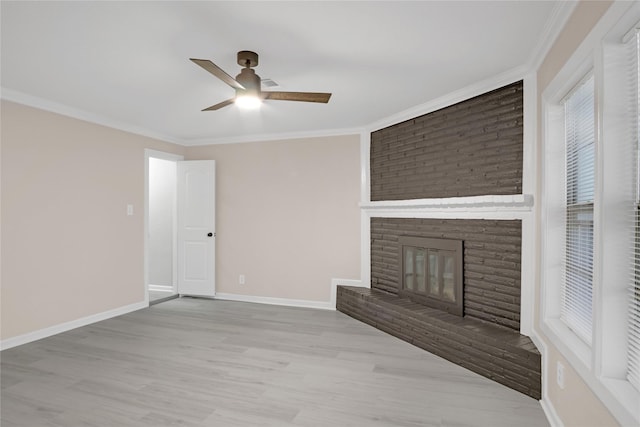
x,y
209,234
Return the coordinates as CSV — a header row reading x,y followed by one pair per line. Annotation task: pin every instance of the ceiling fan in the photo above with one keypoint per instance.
x,y
247,84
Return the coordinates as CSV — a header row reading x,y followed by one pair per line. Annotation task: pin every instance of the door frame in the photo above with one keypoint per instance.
x,y
149,153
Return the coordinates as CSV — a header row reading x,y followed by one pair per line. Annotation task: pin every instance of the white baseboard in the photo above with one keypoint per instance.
x,y
324,305
550,412
547,407
67,326
161,288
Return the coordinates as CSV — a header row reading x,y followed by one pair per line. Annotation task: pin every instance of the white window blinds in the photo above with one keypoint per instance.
x,y
577,285
633,49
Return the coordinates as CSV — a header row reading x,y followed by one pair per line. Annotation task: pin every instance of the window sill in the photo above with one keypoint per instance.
x,y
622,399
576,351
617,395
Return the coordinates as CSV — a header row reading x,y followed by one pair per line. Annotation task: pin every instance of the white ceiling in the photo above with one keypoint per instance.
x,y
127,63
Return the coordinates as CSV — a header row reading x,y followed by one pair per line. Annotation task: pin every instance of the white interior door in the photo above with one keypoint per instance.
x,y
196,228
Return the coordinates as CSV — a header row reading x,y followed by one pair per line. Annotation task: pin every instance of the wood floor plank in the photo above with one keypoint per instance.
x,y
197,362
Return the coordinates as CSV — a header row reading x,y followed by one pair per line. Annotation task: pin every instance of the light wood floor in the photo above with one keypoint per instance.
x,y
190,362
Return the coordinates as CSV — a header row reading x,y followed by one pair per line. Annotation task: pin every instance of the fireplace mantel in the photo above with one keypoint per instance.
x,y
515,204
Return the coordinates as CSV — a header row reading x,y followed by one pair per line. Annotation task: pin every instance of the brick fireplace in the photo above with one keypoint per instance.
x,y
490,261
470,151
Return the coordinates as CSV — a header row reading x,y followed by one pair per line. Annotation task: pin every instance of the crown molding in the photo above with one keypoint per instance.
x,y
273,136
451,98
554,25
65,110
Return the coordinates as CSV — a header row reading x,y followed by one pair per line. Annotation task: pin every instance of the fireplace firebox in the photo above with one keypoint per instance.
x,y
431,272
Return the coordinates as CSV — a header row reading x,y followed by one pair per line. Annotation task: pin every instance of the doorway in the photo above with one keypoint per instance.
x,y
161,283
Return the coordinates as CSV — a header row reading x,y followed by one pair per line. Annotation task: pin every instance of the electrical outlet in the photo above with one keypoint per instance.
x,y
560,375
241,279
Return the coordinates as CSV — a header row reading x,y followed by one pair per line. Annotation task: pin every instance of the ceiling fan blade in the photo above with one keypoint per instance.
x,y
219,105
218,72
298,96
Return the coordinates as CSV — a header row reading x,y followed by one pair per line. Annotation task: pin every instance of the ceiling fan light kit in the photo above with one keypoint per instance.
x,y
247,85
248,102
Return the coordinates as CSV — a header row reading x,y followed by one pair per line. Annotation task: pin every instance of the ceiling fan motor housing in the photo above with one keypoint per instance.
x,y
250,80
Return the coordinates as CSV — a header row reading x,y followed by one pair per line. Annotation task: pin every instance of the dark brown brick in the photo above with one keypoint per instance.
x,y
499,354
467,149
491,261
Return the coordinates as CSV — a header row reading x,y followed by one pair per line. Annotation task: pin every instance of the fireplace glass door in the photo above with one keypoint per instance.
x,y
415,269
432,272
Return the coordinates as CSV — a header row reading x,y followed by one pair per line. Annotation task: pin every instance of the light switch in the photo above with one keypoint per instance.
x,y
129,210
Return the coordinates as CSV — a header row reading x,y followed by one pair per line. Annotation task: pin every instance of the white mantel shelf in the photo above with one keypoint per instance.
x,y
498,206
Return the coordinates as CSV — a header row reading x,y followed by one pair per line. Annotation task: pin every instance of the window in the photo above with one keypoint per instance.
x,y
580,168
633,46
591,213
634,308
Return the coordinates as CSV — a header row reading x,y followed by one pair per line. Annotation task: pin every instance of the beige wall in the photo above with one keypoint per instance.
x,y
576,404
68,248
287,215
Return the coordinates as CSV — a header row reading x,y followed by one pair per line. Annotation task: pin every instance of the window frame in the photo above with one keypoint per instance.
x,y
603,371
554,213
